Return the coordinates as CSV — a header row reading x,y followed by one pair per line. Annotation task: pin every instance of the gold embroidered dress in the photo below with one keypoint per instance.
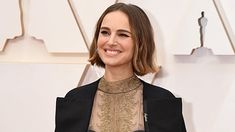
x,y
118,106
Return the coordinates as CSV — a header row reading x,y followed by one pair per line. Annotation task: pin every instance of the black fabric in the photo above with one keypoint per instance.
x,y
164,115
163,111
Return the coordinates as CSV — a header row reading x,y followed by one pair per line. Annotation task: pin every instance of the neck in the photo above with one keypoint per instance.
x,y
117,73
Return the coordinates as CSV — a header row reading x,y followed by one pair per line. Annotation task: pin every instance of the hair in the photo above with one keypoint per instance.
x,y
143,61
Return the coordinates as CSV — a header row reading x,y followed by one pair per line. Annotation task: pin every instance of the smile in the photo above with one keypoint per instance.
x,y
112,52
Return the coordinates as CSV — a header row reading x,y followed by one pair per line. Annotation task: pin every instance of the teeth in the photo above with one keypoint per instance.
x,y
113,52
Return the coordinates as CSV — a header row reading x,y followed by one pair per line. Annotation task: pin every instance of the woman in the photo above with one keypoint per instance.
x,y
124,46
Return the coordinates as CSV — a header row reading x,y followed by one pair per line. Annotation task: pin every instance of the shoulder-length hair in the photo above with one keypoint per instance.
x,y
143,61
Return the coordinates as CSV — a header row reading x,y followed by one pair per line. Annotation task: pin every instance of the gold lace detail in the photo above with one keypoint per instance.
x,y
122,86
119,108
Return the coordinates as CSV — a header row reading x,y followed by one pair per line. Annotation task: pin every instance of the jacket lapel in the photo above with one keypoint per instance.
x,y
162,110
69,109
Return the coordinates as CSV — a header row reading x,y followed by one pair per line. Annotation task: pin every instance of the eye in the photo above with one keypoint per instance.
x,y
124,35
104,32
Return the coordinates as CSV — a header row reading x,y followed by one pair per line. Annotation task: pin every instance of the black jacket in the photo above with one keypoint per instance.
x,y
163,112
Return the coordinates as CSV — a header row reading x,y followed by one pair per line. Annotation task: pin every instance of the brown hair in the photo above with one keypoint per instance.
x,y
144,49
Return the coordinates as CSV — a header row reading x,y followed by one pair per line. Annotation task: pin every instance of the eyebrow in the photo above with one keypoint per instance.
x,y
119,30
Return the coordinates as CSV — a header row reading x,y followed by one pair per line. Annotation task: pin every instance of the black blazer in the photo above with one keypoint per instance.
x,y
162,111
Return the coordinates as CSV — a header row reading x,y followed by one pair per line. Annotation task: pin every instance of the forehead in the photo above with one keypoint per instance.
x,y
116,19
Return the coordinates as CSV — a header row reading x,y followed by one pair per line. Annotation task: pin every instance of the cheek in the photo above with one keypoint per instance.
x,y
101,41
130,46
132,52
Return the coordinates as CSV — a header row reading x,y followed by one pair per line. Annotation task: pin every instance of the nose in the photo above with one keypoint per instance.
x,y
112,40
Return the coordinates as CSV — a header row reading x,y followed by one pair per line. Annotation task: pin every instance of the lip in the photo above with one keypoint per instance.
x,y
112,52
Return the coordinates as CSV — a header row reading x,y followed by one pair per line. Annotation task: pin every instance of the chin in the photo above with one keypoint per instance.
x,y
112,64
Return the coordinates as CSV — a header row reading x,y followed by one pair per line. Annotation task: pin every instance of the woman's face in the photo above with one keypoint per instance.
x,y
115,42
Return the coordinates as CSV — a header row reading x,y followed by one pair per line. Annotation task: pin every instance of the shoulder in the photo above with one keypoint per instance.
x,y
156,92
85,91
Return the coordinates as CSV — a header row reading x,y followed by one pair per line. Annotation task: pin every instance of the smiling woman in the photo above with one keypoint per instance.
x,y
115,44
139,30
124,46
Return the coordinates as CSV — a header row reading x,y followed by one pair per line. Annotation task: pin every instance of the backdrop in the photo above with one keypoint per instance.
x,y
44,50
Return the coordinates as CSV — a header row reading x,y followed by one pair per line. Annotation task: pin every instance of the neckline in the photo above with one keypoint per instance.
x,y
120,86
